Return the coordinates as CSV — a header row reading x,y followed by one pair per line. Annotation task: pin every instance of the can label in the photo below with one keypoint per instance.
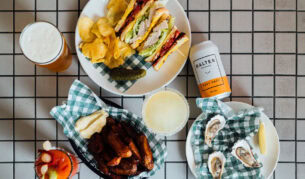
x,y
210,75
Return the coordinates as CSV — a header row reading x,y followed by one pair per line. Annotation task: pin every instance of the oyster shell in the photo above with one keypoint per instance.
x,y
212,128
216,163
243,152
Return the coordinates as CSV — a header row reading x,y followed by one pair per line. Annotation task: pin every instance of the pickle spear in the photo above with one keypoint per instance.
x,y
124,74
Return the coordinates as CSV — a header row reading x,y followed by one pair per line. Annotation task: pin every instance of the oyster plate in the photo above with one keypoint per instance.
x,y
269,160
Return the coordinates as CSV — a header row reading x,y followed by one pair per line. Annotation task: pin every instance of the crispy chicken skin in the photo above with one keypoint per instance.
x,y
130,131
103,167
110,157
95,144
118,128
114,161
135,150
117,145
125,168
110,121
147,158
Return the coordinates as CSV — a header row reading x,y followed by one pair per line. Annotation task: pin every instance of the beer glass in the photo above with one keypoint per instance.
x,y
43,44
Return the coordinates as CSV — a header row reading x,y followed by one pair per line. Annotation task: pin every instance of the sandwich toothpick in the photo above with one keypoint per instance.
x,y
182,54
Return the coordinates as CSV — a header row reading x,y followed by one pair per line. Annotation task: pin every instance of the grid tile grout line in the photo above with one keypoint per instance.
x,y
35,97
274,67
252,56
231,43
190,10
187,82
57,79
296,94
14,126
209,33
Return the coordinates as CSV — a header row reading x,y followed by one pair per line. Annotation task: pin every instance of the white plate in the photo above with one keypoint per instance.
x,y
153,80
269,160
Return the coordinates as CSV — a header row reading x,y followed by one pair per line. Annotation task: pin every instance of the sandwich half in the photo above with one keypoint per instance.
x,y
175,40
164,39
136,26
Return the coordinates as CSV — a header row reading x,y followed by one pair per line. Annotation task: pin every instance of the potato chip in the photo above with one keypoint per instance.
x,y
95,50
116,9
100,43
84,27
95,31
104,28
101,60
113,63
125,49
116,50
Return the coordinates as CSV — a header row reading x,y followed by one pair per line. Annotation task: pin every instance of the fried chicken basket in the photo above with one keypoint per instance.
x,y
82,102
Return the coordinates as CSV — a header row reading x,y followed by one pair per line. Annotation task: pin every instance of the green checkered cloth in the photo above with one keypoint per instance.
x,y
82,102
242,125
133,62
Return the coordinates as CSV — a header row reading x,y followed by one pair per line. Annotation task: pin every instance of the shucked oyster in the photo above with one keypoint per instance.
x,y
242,151
216,163
212,128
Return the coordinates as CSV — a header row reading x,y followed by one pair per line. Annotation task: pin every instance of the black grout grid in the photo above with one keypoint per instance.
x,y
266,70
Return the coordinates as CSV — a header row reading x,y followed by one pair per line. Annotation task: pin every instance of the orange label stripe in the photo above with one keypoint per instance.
x,y
214,87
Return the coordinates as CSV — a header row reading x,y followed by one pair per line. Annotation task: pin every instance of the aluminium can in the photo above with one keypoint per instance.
x,y
210,75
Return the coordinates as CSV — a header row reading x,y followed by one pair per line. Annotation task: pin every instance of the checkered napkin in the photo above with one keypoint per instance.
x,y
133,62
242,125
82,102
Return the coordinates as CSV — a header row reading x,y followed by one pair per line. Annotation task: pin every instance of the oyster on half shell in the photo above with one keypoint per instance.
x,y
243,152
216,163
214,125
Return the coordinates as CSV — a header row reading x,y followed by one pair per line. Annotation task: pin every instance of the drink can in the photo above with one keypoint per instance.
x,y
209,72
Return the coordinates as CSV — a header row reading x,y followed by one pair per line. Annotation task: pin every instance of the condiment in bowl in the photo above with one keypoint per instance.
x,y
165,112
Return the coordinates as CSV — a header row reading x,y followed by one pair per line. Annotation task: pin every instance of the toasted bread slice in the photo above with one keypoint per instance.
x,y
130,25
158,64
125,15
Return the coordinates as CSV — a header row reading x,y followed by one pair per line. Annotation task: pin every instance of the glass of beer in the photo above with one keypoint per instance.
x,y
43,44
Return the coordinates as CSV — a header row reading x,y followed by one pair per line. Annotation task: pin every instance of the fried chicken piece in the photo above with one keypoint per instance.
x,y
134,149
125,168
109,156
140,170
113,176
147,157
110,121
114,161
113,139
130,131
127,139
95,144
103,167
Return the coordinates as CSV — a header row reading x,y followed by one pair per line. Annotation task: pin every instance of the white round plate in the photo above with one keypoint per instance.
x,y
269,160
153,79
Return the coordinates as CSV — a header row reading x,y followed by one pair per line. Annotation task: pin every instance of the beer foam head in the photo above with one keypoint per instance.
x,y
41,42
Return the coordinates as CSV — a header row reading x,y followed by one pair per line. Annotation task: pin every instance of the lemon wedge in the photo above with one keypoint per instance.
x,y
262,138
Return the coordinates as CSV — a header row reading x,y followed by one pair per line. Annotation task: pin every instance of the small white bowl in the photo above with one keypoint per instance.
x,y
180,126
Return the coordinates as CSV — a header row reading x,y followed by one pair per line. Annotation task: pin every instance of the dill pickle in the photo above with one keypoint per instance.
x,y
123,74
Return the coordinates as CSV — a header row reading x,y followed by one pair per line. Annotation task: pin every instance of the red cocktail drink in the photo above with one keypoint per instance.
x,y
55,164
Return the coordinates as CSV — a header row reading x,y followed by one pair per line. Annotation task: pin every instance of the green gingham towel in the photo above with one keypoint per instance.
x,y
133,62
82,102
242,125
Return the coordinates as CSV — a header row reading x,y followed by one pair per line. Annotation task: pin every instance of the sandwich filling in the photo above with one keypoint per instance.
x,y
169,44
156,37
136,9
141,26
